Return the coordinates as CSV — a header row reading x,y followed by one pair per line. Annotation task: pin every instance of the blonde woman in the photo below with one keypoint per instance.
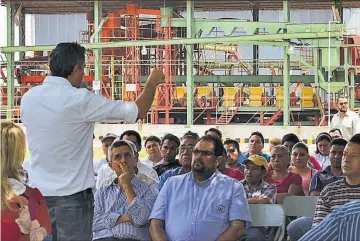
x,y
24,213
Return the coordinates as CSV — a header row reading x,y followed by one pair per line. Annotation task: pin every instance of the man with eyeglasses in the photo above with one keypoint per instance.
x,y
202,204
187,144
346,120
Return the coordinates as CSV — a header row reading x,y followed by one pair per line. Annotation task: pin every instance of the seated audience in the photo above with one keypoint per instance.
x,y
287,183
274,142
257,190
230,172
145,173
342,224
203,204
289,140
344,190
299,161
187,145
169,150
335,133
24,213
256,145
232,148
322,149
297,228
214,132
122,208
105,143
152,146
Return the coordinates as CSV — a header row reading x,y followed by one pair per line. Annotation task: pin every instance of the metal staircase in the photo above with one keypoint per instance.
x,y
274,118
227,115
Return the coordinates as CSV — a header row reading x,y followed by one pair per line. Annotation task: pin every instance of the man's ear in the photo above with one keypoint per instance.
x,y
218,160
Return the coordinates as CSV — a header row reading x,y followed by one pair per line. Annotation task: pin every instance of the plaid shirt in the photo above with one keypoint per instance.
x,y
264,190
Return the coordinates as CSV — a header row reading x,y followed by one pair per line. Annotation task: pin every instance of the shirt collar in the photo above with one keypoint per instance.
x,y
56,80
208,181
262,184
327,170
17,187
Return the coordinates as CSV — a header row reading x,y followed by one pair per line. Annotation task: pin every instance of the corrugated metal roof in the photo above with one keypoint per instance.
x,y
68,6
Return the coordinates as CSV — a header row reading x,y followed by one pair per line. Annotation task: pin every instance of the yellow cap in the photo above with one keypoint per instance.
x,y
257,160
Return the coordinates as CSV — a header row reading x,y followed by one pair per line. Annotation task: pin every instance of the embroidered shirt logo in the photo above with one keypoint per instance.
x,y
220,209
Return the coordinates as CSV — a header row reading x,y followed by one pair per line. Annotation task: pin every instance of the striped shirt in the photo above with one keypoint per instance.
x,y
342,224
111,203
335,194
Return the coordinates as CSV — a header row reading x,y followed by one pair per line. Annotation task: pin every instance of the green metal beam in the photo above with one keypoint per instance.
x,y
10,60
233,39
229,26
97,52
190,62
240,79
286,69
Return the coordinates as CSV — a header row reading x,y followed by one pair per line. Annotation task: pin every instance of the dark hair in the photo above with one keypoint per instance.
x,y
190,134
214,130
132,133
334,130
301,145
170,137
153,139
338,141
290,137
257,133
355,139
65,57
233,142
322,136
218,145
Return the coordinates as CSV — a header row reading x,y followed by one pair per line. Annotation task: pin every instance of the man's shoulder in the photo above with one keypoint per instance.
x,y
334,186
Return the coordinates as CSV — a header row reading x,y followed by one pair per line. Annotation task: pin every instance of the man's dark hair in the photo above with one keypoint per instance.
x,y
171,137
214,130
153,139
132,133
334,130
233,142
290,137
257,133
190,134
355,139
322,136
301,145
218,145
64,58
338,141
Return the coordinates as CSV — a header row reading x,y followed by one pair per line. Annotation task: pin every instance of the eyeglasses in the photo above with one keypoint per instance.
x,y
203,153
344,103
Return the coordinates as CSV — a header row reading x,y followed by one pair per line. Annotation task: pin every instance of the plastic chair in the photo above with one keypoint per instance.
x,y
300,206
269,215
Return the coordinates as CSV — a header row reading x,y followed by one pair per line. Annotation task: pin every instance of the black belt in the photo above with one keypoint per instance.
x,y
86,191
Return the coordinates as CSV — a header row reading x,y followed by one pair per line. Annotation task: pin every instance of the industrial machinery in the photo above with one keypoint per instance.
x,y
229,87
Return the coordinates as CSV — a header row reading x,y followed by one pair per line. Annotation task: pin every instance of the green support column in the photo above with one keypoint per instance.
x,y
21,32
190,62
10,61
346,76
316,65
352,79
97,52
286,70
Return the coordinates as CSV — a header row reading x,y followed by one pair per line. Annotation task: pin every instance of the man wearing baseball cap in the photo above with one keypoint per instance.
x,y
257,190
106,142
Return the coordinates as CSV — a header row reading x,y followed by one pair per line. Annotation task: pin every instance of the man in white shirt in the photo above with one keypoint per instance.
x,y
106,142
152,146
59,118
346,120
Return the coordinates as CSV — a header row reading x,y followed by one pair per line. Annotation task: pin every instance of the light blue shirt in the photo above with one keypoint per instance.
x,y
200,212
59,122
342,224
245,155
170,173
111,203
98,164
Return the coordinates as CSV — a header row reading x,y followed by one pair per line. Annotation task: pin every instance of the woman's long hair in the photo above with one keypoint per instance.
x,y
322,136
13,149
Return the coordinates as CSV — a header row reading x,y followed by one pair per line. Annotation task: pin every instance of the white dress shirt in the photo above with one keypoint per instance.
x,y
59,122
349,124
